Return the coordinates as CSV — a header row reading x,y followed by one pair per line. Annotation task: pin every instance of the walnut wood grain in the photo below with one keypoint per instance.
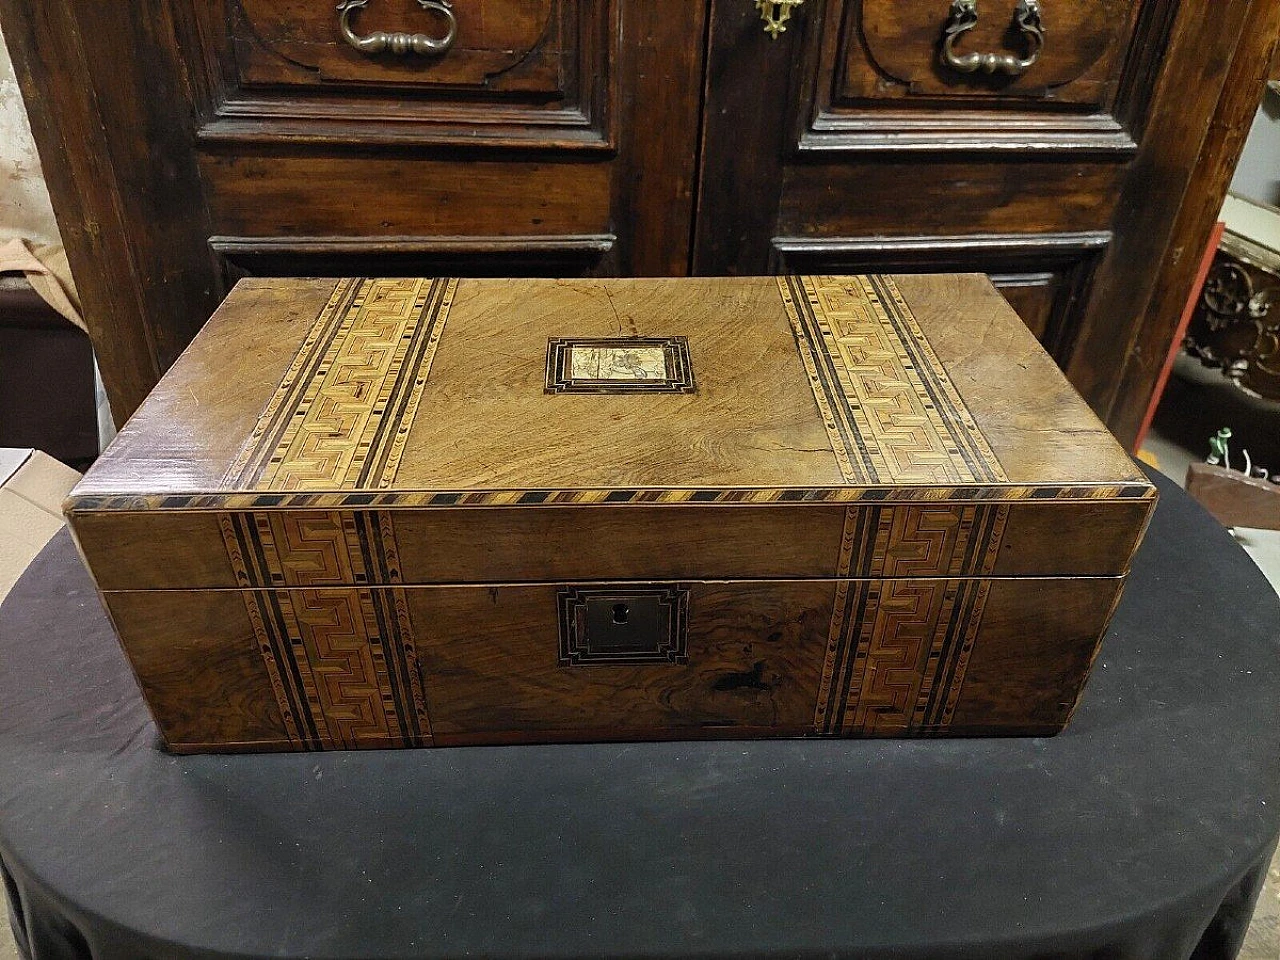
x,y
1036,681
1023,404
184,550
754,419
491,672
197,664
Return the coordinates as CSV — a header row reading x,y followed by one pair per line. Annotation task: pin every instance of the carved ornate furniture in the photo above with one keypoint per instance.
x,y
1236,326
1064,148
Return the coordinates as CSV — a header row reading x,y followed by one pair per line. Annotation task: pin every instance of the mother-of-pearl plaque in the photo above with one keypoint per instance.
x,y
619,365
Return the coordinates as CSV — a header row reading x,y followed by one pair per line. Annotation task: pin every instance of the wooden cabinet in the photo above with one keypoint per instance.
x,y
869,152
518,149
641,137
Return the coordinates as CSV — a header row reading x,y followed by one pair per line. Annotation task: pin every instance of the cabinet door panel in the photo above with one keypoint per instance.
x,y
946,196
326,195
876,77
508,256
519,73
899,39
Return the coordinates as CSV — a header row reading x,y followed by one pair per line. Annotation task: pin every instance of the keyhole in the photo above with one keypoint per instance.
x,y
620,613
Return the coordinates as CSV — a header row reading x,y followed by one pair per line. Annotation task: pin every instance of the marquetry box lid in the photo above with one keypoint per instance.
x,y
547,430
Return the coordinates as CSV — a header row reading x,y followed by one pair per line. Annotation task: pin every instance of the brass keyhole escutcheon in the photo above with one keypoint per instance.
x,y
621,613
775,14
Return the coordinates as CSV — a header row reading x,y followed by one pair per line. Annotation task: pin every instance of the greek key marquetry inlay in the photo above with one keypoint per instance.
x,y
897,649
889,407
342,413
342,660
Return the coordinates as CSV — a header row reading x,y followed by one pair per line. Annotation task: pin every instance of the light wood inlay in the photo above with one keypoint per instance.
x,y
889,407
897,649
346,405
343,663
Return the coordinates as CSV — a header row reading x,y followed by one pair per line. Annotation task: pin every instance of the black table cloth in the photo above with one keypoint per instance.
x,y
1141,832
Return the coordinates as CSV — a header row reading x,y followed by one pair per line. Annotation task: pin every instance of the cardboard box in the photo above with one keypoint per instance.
x,y
32,488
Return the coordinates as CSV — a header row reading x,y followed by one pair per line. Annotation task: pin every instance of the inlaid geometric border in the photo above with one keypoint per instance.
x,y
679,369
341,415
342,661
898,649
675,496
891,412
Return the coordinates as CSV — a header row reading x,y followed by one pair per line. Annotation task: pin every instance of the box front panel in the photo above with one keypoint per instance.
x,y
194,550
336,668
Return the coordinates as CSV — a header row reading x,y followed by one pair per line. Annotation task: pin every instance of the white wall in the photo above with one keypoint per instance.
x,y
1258,176
25,210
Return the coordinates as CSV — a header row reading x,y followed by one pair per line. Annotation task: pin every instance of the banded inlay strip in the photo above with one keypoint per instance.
x,y
340,654
891,412
744,496
900,636
341,415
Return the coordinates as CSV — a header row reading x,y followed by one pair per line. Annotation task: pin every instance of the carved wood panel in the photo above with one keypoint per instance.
x,y
519,73
891,50
501,45
877,77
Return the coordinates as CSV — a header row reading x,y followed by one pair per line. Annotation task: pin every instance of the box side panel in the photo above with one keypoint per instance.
x,y
160,550
182,550
335,668
496,664
1044,636
196,657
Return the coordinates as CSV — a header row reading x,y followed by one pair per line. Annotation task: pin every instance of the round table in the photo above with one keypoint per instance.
x,y
1141,832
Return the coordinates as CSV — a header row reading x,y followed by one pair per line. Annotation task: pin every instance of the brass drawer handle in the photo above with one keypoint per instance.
x,y
964,17
399,43
775,14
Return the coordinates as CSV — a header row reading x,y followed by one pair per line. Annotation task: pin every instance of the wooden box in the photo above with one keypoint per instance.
x,y
411,512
